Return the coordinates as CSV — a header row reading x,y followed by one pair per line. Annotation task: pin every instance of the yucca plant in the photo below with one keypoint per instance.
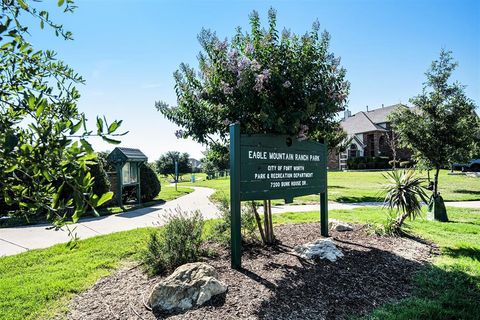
x,y
404,196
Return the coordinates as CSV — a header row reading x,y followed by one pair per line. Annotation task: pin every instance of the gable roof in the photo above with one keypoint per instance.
x,y
359,123
365,121
127,154
380,115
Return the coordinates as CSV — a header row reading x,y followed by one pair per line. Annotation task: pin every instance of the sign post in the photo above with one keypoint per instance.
x,y
235,221
267,167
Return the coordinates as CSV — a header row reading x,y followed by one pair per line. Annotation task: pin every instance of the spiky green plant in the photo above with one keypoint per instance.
x,y
404,196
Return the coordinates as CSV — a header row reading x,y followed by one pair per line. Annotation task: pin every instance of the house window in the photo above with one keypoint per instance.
x,y
352,152
129,173
381,145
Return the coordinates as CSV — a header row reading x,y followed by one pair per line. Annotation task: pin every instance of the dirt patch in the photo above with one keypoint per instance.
x,y
275,284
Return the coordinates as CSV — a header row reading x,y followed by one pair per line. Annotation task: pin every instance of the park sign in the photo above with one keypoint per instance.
x,y
268,167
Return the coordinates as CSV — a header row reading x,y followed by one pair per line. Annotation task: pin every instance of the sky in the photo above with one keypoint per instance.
x,y
127,52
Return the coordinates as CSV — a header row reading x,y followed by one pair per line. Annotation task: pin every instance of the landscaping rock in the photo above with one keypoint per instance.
x,y
321,249
339,226
190,285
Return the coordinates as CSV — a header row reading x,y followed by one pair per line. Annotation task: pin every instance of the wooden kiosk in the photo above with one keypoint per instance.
x,y
127,163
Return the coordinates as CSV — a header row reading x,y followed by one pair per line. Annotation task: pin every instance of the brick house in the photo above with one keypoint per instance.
x,y
369,132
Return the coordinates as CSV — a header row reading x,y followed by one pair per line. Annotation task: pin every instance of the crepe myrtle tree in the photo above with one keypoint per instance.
x,y
43,136
266,80
441,128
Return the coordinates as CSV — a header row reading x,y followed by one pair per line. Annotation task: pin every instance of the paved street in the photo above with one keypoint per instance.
x,y
20,239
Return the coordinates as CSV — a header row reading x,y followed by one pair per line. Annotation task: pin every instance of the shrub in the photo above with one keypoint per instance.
x,y
362,166
177,243
352,163
404,193
405,164
101,184
221,230
149,183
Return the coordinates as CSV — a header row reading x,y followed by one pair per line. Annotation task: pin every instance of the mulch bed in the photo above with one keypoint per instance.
x,y
278,285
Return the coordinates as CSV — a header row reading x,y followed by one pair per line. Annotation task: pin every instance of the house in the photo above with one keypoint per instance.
x,y
369,135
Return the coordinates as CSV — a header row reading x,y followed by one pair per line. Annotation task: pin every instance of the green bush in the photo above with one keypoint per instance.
x,y
149,183
221,230
362,166
177,243
406,164
101,184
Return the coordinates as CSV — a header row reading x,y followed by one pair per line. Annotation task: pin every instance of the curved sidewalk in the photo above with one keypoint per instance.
x,y
20,239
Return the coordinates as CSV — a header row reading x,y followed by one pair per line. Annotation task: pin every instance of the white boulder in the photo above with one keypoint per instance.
x,y
321,249
339,226
190,285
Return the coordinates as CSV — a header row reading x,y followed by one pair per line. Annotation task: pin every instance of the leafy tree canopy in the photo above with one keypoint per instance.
x,y
216,158
43,135
442,127
268,81
166,163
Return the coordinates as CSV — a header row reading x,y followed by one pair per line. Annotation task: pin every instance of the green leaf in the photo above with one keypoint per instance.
x,y
11,168
86,145
114,126
31,102
40,109
104,198
76,127
110,140
22,4
60,3
42,24
99,125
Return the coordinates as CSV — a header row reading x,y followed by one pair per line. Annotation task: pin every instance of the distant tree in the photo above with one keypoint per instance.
x,y
165,165
267,81
43,135
216,158
442,128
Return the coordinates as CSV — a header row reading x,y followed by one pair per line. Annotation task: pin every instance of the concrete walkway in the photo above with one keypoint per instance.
x,y
20,239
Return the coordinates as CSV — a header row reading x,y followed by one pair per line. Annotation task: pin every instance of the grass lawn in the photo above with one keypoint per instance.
x,y
450,287
38,283
364,186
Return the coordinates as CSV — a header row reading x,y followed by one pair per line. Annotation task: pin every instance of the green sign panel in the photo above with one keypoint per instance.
x,y
265,167
279,167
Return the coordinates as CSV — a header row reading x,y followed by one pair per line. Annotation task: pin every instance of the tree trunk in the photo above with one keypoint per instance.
x,y
259,222
270,221
435,182
399,222
268,225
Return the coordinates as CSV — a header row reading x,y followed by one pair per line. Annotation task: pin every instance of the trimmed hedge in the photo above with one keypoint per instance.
x,y
149,183
361,163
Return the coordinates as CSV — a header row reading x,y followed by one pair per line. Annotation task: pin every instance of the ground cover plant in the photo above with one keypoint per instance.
x,y
36,283
176,243
363,186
